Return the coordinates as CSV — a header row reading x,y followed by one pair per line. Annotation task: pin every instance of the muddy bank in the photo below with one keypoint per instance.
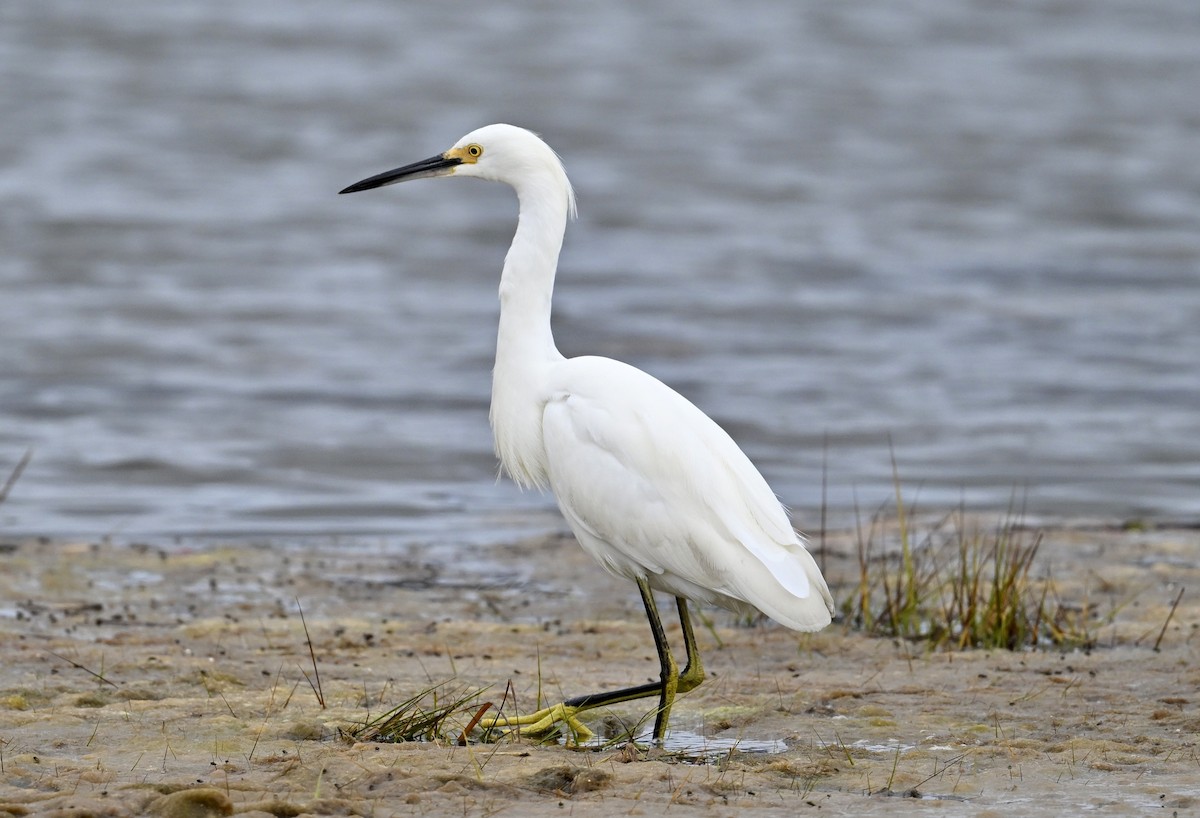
x,y
178,681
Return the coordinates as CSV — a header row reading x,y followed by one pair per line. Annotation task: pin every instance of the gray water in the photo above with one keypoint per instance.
x,y
969,228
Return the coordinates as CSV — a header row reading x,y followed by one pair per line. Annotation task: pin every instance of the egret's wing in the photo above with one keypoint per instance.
x,y
652,486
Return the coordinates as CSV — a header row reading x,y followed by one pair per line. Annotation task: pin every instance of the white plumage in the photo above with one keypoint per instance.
x,y
652,488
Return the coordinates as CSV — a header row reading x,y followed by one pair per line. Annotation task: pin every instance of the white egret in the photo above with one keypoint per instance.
x,y
652,487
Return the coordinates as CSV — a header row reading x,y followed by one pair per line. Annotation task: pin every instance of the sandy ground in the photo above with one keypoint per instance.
x,y
171,681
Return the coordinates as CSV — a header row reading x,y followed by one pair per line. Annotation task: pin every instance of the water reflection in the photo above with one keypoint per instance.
x,y
967,228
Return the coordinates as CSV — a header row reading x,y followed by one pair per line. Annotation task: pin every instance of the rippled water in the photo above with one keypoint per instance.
x,y
969,227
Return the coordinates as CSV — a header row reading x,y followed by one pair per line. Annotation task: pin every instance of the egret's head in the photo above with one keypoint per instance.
x,y
500,153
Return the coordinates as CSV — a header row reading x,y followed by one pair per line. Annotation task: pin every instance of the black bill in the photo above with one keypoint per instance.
x,y
440,165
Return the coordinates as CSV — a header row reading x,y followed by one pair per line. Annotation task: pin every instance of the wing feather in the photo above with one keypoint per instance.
x,y
653,487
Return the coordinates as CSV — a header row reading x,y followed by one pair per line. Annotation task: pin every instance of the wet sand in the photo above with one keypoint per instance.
x,y
172,681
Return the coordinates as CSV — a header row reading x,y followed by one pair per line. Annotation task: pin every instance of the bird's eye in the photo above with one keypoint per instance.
x,y
474,151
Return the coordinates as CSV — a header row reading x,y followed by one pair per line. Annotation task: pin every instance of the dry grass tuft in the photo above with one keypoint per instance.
x,y
441,713
959,585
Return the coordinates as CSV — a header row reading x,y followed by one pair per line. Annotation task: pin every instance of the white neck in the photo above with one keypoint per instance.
x,y
525,347
527,283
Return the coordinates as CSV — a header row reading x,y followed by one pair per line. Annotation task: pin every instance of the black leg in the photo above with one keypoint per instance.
x,y
668,670
670,682
668,673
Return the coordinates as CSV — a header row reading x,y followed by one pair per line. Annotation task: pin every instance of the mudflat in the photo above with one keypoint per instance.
x,y
143,679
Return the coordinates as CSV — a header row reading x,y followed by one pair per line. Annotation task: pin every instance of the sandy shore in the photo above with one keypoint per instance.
x,y
141,680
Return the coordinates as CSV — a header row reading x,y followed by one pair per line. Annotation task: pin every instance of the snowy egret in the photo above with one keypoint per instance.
x,y
652,487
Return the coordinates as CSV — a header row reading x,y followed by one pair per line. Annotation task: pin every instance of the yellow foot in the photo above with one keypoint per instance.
x,y
542,722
